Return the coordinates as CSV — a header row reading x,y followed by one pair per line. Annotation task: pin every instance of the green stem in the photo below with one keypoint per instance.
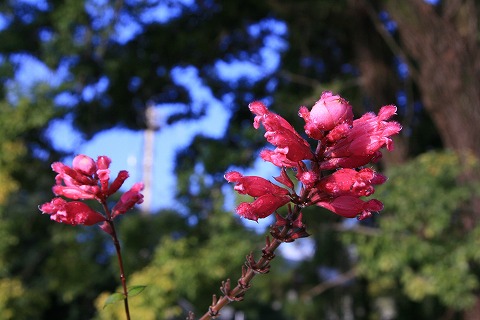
x,y
122,272
118,250
248,273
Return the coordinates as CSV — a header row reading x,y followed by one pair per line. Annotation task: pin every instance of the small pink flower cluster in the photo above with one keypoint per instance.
x,y
342,144
88,179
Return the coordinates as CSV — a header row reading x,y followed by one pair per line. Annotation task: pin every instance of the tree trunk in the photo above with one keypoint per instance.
x,y
442,44
374,61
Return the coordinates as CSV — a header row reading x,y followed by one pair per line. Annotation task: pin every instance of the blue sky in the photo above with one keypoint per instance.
x,y
125,147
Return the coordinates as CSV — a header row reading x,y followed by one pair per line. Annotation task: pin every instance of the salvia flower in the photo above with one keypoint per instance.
x,y
350,182
88,179
351,206
128,200
262,206
252,185
291,147
73,212
269,197
362,143
342,144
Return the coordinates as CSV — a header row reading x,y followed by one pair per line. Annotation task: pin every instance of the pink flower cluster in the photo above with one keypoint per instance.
x,y
342,144
88,179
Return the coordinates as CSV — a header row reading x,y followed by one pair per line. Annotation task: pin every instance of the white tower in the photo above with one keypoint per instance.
x,y
148,156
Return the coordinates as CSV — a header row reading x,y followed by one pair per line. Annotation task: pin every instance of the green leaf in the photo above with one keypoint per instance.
x,y
113,298
134,290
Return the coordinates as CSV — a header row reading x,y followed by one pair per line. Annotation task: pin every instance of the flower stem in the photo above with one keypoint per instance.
x,y
113,234
250,269
120,264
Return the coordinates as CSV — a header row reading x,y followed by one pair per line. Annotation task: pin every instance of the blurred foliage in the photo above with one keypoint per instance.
x,y
16,127
186,270
61,267
425,243
19,134
121,61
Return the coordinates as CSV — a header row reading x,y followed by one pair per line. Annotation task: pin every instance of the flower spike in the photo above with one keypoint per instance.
x,y
88,179
343,144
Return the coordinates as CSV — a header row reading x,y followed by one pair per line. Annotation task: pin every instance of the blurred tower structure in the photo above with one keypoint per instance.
x,y
152,127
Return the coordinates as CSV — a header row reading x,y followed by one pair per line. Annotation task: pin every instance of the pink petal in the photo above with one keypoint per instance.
x,y
73,212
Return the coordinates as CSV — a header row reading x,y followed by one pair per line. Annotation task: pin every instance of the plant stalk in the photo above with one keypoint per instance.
x,y
113,234
122,272
250,269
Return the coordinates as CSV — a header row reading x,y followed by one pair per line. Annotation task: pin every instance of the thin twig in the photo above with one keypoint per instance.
x,y
359,229
286,231
324,286
248,273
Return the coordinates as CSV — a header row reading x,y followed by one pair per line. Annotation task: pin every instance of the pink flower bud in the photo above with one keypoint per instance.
x,y
328,112
118,182
84,164
103,172
253,186
128,200
103,162
350,207
262,207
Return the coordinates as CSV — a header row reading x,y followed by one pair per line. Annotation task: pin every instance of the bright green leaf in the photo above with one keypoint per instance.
x,y
134,290
113,298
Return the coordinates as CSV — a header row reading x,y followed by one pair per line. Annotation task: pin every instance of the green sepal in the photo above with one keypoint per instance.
x,y
113,298
134,290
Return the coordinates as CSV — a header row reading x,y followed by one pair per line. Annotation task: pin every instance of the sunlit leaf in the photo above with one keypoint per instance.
x,y
113,298
134,290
